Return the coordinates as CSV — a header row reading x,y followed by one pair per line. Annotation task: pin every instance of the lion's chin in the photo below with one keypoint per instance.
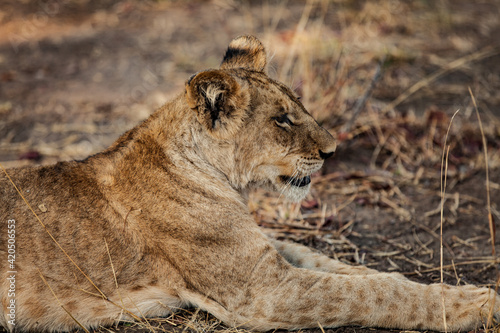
x,y
296,194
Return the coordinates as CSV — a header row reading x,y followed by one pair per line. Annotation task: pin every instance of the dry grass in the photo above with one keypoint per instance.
x,y
382,77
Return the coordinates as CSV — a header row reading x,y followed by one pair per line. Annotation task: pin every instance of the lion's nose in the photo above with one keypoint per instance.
x,y
324,155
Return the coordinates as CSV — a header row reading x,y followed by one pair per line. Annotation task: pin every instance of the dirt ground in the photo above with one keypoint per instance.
x,y
385,77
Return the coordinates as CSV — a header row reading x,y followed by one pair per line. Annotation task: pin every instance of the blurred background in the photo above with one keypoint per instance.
x,y
384,77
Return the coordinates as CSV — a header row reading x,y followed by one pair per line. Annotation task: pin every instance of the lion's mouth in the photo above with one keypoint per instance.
x,y
299,182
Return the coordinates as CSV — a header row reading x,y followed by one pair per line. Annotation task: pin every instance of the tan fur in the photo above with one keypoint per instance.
x,y
159,221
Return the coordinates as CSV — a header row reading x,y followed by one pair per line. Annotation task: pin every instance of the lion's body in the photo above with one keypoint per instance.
x,y
159,221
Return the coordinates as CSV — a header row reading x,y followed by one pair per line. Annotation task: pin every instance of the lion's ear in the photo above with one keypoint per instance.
x,y
245,52
220,102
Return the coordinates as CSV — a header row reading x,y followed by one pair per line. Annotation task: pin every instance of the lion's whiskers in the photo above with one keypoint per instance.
x,y
288,184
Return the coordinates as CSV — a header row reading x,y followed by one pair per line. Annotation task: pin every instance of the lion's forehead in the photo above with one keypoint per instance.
x,y
265,84
276,95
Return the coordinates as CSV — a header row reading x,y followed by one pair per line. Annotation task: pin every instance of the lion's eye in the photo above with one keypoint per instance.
x,y
283,120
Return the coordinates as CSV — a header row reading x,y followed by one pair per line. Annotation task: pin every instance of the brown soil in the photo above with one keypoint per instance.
x,y
76,74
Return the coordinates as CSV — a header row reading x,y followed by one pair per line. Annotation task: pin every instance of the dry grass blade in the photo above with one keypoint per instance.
x,y
118,291
443,189
300,28
362,101
112,266
51,236
444,164
488,198
62,306
488,201
464,263
191,321
481,54
321,327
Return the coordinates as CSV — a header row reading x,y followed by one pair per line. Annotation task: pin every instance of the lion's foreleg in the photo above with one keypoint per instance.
x,y
292,298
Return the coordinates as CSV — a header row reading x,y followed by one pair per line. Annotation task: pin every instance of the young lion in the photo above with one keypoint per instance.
x,y
159,221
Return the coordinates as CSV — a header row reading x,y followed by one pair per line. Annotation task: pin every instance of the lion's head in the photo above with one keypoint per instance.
x,y
259,133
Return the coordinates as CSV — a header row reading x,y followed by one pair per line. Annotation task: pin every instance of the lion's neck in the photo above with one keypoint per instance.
x,y
170,148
